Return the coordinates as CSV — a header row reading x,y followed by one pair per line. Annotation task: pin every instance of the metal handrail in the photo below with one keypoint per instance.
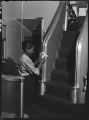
x,y
53,23
49,29
78,45
48,34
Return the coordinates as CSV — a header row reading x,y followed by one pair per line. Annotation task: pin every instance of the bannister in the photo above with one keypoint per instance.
x,y
80,48
54,20
49,33
51,40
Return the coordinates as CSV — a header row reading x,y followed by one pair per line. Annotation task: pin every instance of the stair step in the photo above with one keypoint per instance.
x,y
64,53
69,39
61,64
38,112
60,105
59,75
58,89
70,35
66,44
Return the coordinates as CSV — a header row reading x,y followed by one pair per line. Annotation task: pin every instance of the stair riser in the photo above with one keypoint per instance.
x,y
59,77
58,92
63,54
70,34
66,44
61,65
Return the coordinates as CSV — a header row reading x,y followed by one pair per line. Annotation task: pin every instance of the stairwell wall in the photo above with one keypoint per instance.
x,y
54,40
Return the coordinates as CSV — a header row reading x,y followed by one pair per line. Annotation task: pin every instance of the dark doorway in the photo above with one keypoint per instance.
x,y
36,40
34,27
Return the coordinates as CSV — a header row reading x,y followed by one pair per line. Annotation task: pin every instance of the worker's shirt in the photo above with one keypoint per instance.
x,y
27,66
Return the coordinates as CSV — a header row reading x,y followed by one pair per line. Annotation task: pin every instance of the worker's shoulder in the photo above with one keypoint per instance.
x,y
24,56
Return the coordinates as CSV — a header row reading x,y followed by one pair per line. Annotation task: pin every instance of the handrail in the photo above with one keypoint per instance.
x,y
86,19
78,45
12,78
51,26
48,35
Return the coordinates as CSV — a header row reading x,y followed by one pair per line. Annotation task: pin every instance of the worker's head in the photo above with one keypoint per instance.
x,y
28,47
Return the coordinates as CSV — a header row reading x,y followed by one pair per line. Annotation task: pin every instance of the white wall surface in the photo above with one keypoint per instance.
x,y
29,10
45,9
8,11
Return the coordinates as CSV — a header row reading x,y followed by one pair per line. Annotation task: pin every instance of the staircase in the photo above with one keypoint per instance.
x,y
57,104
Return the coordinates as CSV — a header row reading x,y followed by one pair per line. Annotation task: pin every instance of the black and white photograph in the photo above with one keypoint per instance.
x,y
44,60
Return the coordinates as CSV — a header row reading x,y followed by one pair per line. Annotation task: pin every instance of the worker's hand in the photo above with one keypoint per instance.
x,y
43,55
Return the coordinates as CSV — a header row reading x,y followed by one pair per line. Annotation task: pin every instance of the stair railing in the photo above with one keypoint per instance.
x,y
66,18
46,40
71,16
79,47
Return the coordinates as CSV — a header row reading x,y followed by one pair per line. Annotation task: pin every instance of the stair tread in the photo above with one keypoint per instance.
x,y
61,63
64,53
38,112
61,100
58,89
47,111
60,104
61,59
60,75
59,84
70,34
65,50
61,71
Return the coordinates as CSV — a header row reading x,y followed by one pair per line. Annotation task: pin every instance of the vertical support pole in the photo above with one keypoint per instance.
x,y
75,95
4,49
22,78
42,82
22,98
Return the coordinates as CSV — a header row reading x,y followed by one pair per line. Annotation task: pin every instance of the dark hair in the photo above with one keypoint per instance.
x,y
24,44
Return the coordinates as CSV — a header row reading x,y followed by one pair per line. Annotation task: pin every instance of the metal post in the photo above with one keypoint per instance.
x,y
22,98
75,95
